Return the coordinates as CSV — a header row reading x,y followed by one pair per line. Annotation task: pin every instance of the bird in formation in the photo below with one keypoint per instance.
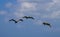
x,y
28,17
46,23
16,21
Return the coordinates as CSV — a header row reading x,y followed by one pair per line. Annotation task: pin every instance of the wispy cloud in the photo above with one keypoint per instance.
x,y
55,14
54,9
18,15
25,8
28,6
49,10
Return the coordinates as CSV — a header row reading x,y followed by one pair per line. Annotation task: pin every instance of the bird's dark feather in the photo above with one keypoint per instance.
x,y
47,24
28,17
16,21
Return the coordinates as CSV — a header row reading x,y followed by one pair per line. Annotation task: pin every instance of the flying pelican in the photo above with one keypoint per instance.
x,y
16,21
46,23
28,17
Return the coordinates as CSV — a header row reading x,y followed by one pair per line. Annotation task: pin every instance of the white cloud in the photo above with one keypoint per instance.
x,y
53,6
53,9
56,1
18,14
26,6
55,14
49,5
29,8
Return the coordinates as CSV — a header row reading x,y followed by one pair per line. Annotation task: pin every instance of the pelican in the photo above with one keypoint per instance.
x,y
16,21
28,17
46,23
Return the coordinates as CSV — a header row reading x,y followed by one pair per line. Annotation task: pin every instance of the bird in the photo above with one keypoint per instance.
x,y
46,23
16,21
20,20
28,17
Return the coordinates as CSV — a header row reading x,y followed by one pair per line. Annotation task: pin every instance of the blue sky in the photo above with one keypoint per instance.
x,y
41,10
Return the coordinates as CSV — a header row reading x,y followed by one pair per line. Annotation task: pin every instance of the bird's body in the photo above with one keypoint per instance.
x,y
46,23
16,21
28,17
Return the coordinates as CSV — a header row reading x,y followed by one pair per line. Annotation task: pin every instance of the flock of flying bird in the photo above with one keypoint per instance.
x,y
29,17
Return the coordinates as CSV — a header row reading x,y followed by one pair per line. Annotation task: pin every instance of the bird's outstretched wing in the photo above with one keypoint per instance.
x,y
13,20
45,23
16,21
28,17
25,17
31,17
20,20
